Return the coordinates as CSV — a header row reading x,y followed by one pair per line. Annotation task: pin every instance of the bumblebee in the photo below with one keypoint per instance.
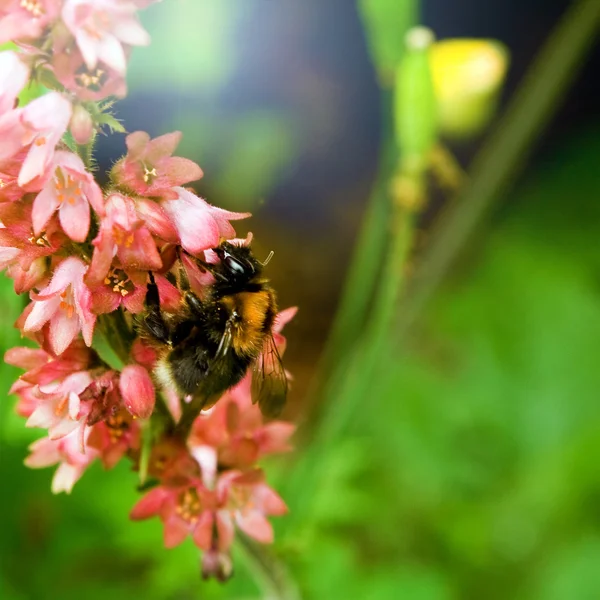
x,y
208,344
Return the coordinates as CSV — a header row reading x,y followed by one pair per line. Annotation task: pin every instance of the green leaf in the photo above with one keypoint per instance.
x,y
111,122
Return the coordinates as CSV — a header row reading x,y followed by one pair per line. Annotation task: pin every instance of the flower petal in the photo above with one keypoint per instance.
x,y
175,531
75,219
202,534
254,524
149,505
41,312
13,77
63,329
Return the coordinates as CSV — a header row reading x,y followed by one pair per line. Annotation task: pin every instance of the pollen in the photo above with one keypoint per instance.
x,y
117,427
2,183
240,497
35,8
40,141
119,282
91,80
66,303
67,187
189,505
41,240
122,237
149,174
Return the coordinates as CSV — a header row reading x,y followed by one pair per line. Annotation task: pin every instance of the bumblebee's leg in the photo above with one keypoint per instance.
x,y
153,320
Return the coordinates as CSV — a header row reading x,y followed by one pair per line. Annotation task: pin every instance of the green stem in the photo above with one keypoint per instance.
x,y
348,385
506,150
116,330
351,382
364,270
270,572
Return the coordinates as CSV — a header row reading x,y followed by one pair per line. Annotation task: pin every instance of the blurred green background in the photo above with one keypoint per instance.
x,y
472,469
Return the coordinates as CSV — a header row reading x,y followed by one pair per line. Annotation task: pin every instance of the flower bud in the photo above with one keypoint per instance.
x,y
137,391
81,126
216,564
467,76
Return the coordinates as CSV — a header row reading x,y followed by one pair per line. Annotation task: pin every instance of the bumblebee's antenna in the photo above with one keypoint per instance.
x,y
268,259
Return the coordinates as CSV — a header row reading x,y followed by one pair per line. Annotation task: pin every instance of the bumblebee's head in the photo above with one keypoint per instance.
x,y
237,262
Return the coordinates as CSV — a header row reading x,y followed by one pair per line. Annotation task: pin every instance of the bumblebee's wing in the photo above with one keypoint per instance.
x,y
269,381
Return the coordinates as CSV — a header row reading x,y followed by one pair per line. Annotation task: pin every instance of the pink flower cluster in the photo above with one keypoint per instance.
x,y
83,254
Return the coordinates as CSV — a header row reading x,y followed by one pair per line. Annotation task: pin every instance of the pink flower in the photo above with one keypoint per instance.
x,y
114,437
23,252
200,226
67,453
43,368
244,499
235,432
39,126
122,235
70,190
125,287
137,391
101,26
26,279
149,169
59,406
25,19
184,510
66,304
156,220
92,84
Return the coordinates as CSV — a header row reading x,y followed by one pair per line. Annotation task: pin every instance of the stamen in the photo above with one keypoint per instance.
x,y
119,282
40,240
189,506
92,80
35,8
149,173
